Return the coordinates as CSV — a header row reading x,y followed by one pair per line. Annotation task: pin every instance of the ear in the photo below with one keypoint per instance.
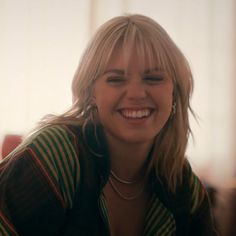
x,y
93,100
93,97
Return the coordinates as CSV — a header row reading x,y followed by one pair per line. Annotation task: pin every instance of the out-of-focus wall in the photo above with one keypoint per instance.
x,y
41,42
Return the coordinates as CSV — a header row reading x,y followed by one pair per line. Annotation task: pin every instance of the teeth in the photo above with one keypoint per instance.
x,y
136,113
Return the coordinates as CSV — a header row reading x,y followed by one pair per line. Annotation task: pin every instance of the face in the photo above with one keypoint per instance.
x,y
134,102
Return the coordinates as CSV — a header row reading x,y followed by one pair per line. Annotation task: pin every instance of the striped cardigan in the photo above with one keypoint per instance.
x,y
43,191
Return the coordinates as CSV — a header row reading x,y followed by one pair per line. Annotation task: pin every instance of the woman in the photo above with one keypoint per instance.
x,y
114,163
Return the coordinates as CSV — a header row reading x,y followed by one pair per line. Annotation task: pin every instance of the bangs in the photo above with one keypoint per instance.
x,y
148,50
152,48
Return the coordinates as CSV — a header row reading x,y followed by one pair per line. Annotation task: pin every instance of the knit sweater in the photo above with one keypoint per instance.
x,y
45,181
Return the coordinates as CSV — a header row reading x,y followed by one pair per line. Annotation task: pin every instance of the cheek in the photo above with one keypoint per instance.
x,y
168,96
101,108
105,98
166,107
164,104
163,97
104,105
169,99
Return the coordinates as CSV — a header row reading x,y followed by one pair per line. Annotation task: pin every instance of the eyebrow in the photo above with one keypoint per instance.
x,y
115,71
156,69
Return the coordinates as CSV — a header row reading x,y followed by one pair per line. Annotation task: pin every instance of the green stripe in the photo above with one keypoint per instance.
x,y
152,214
70,161
72,157
43,152
58,155
159,220
196,189
70,154
104,212
62,167
4,230
167,228
155,213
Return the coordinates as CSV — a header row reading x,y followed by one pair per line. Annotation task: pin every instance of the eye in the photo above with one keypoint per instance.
x,y
115,80
153,79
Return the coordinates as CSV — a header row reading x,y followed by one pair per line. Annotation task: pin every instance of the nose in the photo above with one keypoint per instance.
x,y
136,90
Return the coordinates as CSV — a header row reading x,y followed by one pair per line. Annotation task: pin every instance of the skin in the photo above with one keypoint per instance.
x,y
133,106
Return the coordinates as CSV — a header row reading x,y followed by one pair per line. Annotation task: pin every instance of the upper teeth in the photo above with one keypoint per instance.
x,y
136,113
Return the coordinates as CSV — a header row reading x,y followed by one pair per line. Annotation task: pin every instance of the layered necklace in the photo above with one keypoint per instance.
x,y
134,196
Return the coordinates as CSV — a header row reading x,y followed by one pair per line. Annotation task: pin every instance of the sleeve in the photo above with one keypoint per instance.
x,y
38,185
201,218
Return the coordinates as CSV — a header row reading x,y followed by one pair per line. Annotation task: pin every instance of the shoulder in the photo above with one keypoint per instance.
x,y
201,217
53,143
55,147
198,193
52,154
56,133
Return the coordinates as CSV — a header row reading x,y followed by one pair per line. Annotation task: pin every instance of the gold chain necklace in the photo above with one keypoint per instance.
x,y
121,195
122,180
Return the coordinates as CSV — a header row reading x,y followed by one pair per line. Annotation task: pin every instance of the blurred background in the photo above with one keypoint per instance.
x,y
41,43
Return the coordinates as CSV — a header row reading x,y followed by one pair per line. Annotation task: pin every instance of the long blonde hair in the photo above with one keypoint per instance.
x,y
153,44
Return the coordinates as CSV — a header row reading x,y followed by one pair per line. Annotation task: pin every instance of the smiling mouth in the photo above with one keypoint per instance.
x,y
136,113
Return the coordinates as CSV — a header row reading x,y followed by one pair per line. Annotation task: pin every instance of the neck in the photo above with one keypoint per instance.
x,y
129,160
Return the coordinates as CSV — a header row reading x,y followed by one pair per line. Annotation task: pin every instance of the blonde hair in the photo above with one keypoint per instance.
x,y
153,44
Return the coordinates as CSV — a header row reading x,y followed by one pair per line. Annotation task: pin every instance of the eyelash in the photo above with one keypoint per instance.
x,y
153,79
115,80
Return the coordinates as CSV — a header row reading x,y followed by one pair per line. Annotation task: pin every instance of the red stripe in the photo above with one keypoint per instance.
x,y
9,225
48,177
